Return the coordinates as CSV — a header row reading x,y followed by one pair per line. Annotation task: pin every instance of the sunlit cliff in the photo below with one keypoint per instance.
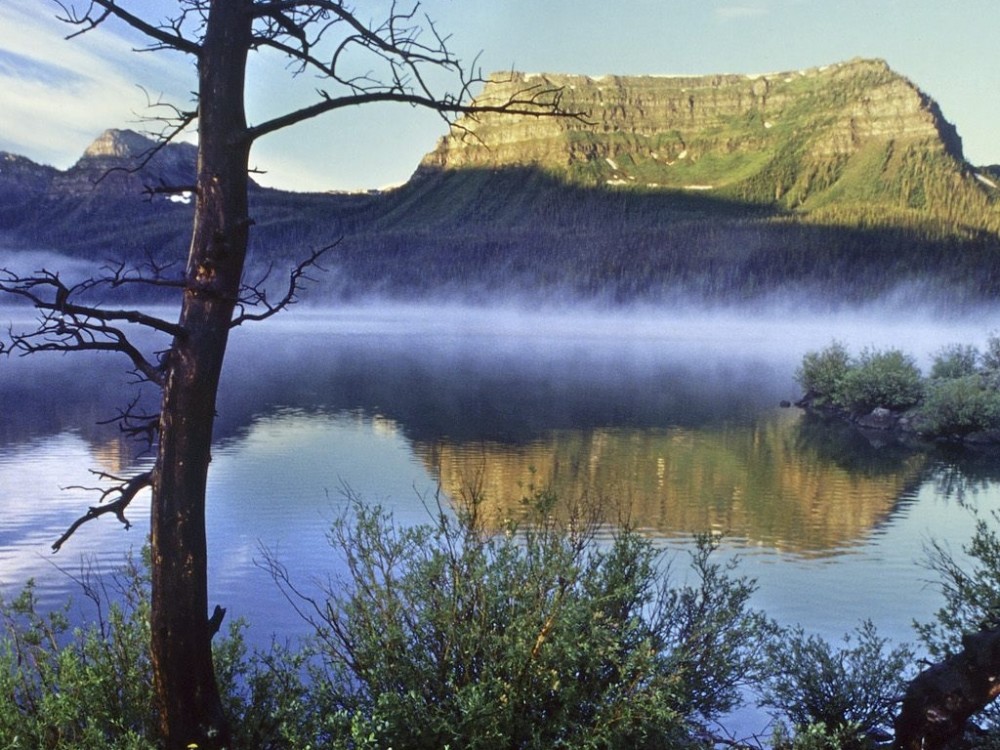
x,y
768,485
833,186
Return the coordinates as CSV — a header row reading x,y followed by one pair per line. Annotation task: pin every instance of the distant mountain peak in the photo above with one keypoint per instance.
x,y
119,144
126,161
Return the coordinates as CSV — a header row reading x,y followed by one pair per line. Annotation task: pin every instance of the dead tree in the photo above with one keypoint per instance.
x,y
403,53
940,700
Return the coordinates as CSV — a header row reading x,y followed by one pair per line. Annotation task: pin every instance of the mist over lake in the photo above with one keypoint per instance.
x,y
669,418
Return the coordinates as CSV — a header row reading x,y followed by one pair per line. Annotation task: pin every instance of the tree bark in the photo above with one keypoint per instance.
x,y
219,35
189,702
940,700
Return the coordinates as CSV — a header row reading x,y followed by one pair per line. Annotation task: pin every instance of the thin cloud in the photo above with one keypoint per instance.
x,y
59,95
15,65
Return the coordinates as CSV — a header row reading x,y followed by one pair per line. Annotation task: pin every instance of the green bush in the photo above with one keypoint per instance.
x,y
82,689
969,582
970,585
90,688
889,379
991,357
821,737
961,396
835,697
821,373
955,361
959,406
543,635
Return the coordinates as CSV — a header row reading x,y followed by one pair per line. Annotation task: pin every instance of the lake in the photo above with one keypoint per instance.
x,y
670,417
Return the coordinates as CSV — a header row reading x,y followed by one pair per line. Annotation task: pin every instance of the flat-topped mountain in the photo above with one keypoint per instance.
x,y
666,127
841,183
850,134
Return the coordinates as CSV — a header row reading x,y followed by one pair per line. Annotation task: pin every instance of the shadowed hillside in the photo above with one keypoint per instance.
x,y
841,184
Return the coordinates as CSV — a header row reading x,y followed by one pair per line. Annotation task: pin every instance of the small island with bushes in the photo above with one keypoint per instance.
x,y
885,390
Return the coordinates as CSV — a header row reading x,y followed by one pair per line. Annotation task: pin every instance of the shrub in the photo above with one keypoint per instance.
x,y
820,737
959,406
85,688
90,687
821,373
835,697
970,585
991,357
541,636
888,379
955,361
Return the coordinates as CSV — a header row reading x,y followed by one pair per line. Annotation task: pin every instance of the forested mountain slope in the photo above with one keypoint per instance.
x,y
842,183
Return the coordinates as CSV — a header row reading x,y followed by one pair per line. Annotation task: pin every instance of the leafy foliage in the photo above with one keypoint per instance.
x,y
445,634
970,584
78,687
955,361
888,379
90,687
835,697
822,373
544,633
969,581
820,737
958,406
961,396
990,359
541,636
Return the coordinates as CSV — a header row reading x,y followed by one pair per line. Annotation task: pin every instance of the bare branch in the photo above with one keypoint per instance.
x,y
98,11
402,46
33,288
65,326
173,126
136,425
533,102
215,621
126,489
255,295
149,273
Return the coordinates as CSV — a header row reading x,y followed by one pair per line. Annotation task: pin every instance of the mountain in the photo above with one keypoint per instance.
x,y
127,162
119,162
843,184
107,205
823,141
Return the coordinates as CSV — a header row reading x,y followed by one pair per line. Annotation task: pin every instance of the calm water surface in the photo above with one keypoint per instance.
x,y
672,419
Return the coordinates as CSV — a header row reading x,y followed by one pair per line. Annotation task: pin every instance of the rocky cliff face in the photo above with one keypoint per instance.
x,y
119,163
784,137
844,181
124,161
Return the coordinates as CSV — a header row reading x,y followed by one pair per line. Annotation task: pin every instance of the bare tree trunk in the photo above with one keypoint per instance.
x,y
191,709
940,700
219,35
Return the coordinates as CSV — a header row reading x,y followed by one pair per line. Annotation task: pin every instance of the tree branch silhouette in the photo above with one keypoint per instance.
x,y
126,489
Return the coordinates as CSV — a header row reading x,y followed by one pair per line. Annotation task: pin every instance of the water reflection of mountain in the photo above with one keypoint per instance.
x,y
762,482
678,418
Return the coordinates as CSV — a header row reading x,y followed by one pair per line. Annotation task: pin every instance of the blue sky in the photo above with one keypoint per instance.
x,y
56,95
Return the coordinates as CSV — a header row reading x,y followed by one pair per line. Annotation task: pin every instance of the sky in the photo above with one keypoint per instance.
x,y
58,95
